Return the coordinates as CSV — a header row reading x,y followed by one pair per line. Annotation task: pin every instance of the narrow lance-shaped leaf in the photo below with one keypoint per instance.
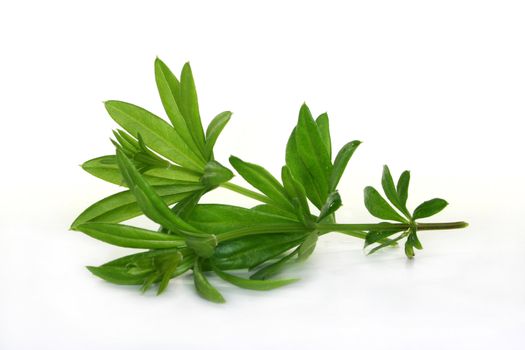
x,y
275,268
157,134
169,268
214,130
129,236
324,130
189,106
116,275
333,202
297,195
390,190
220,218
402,188
203,286
301,173
262,180
253,284
341,161
248,252
307,247
169,91
106,168
429,208
123,205
313,152
378,207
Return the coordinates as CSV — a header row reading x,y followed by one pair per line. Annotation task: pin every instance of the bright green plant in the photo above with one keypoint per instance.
x,y
167,168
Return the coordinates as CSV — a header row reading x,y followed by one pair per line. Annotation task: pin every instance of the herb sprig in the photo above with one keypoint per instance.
x,y
167,168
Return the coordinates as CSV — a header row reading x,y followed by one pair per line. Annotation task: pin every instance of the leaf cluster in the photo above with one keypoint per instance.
x,y
167,167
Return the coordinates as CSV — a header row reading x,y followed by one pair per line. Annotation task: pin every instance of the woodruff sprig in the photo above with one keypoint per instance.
x,y
167,168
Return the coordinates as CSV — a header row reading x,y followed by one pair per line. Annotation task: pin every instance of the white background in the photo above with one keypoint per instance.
x,y
435,87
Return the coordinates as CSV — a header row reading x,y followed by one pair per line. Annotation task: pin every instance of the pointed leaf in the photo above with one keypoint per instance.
x,y
341,161
324,130
275,268
169,268
387,243
214,130
313,152
106,168
116,275
189,106
169,91
157,134
429,208
123,205
307,247
402,188
129,236
253,284
297,196
390,190
333,202
379,207
246,252
271,209
204,288
220,218
262,180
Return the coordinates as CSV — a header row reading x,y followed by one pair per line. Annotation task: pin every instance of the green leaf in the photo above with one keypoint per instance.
x,y
129,236
262,180
324,130
250,251
313,152
275,268
220,218
402,188
271,209
214,130
184,208
379,207
341,161
387,243
169,268
149,201
390,190
215,174
189,106
300,172
204,288
253,284
333,202
429,208
157,134
116,275
297,195
123,205
106,168
307,247
169,91
379,236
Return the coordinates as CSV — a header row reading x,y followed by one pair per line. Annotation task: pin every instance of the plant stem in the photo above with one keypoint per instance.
x,y
246,192
354,230
389,226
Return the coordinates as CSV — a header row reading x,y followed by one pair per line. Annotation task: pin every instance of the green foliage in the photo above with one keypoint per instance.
x,y
169,167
